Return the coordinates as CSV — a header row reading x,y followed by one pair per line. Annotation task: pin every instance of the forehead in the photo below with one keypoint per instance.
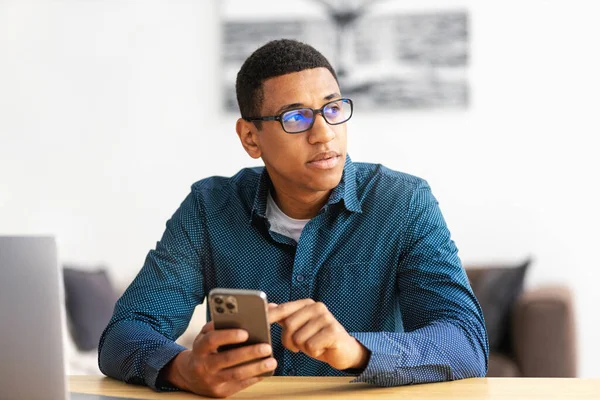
x,y
307,87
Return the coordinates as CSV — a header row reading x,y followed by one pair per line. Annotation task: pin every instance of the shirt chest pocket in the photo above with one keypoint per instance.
x,y
364,279
356,292
350,274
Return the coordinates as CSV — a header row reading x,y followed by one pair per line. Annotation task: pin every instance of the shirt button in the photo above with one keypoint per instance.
x,y
290,372
300,278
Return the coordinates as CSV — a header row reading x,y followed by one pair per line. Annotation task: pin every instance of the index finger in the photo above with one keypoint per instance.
x,y
209,327
284,310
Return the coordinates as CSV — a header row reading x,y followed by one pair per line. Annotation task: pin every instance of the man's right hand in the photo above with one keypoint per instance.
x,y
205,372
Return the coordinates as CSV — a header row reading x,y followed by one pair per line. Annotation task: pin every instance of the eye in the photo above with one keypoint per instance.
x,y
296,116
337,106
293,117
333,110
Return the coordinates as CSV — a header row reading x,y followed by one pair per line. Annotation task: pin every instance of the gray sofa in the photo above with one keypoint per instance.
x,y
542,335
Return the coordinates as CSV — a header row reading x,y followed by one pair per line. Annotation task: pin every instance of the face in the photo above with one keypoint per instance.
x,y
305,163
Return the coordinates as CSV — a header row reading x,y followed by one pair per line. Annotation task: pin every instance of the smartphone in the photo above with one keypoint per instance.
x,y
241,309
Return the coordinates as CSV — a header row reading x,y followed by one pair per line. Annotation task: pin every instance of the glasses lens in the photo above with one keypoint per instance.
x,y
338,111
297,120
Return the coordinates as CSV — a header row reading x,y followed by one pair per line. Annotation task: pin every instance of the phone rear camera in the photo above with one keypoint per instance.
x,y
220,310
230,306
218,300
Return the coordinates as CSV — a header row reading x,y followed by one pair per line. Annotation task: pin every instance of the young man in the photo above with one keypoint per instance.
x,y
356,259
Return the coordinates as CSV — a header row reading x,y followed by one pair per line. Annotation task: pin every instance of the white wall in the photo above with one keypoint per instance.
x,y
109,111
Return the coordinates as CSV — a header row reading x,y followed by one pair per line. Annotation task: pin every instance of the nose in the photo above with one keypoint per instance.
x,y
321,131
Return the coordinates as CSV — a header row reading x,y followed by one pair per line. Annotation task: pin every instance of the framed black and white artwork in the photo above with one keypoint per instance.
x,y
388,54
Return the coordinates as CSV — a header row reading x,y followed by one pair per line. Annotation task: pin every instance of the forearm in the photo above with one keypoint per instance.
x,y
133,352
441,351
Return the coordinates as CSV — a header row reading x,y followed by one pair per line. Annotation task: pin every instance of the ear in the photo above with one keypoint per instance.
x,y
248,137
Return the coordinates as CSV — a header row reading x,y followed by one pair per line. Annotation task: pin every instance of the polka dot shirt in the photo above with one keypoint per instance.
x,y
379,255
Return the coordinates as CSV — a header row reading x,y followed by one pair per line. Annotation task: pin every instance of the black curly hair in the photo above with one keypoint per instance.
x,y
277,57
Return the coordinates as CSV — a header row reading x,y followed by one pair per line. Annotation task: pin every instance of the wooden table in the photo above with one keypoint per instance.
x,y
340,388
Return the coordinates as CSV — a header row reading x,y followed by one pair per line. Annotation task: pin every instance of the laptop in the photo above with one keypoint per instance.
x,y
32,364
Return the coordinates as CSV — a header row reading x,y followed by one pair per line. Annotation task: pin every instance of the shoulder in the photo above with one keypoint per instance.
x,y
245,177
380,178
221,188
383,191
381,188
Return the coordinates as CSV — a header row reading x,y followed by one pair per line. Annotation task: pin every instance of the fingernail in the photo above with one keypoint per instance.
x,y
270,363
265,349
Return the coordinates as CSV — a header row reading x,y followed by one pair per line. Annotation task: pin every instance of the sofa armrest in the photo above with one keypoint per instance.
x,y
543,333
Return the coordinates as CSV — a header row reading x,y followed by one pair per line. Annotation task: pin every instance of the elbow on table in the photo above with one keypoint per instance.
x,y
478,366
112,356
474,363
473,368
481,367
105,362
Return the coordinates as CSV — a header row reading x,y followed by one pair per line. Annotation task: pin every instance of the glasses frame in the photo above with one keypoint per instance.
x,y
314,110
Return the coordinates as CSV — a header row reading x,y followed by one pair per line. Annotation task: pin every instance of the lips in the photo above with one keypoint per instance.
x,y
325,155
325,160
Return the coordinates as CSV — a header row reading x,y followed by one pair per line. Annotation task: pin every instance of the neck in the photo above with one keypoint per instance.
x,y
298,206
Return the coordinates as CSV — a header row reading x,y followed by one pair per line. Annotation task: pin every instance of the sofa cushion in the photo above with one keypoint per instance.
x,y
90,300
497,289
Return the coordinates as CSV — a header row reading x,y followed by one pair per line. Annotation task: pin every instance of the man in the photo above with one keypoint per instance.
x,y
356,259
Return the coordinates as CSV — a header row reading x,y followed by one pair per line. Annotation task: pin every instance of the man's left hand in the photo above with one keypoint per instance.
x,y
308,326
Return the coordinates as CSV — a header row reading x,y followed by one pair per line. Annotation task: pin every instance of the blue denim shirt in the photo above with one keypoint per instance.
x,y
378,255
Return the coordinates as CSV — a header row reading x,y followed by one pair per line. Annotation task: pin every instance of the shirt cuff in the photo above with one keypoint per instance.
x,y
382,368
156,362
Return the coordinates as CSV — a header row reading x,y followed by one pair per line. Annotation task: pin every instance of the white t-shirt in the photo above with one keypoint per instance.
x,y
283,224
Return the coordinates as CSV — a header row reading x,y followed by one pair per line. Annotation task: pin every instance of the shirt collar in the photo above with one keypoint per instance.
x,y
345,190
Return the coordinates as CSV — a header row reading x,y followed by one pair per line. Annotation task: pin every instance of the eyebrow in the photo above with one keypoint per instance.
x,y
300,105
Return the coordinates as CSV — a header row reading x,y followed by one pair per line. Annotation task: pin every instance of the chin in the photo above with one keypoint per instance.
x,y
326,183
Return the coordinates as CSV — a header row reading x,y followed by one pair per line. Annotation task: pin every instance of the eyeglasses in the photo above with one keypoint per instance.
x,y
302,119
